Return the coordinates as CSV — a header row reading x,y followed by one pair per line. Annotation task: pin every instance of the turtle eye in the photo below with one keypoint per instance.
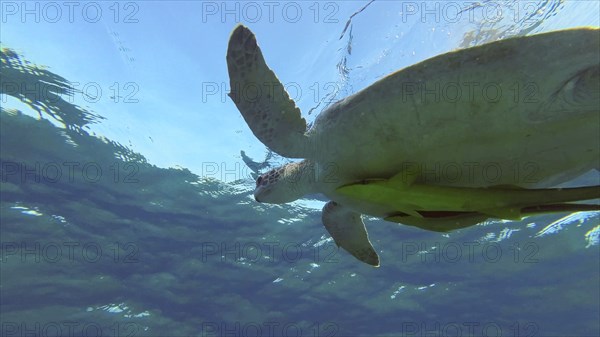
x,y
259,181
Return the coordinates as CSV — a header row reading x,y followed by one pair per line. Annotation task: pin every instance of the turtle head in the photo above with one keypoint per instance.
x,y
285,184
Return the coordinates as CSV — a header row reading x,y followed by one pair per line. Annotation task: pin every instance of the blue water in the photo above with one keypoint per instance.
x,y
126,207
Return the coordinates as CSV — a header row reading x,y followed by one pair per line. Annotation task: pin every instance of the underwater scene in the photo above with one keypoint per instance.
x,y
139,182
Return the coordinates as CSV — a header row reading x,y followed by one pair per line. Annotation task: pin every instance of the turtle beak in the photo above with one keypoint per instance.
x,y
256,198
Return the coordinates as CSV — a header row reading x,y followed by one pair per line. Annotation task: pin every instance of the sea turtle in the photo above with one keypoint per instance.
x,y
521,112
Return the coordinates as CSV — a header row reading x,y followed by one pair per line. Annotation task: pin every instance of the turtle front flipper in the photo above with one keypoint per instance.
x,y
261,98
348,231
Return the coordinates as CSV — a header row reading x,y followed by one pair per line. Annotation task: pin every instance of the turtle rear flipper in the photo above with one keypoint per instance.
x,y
261,98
